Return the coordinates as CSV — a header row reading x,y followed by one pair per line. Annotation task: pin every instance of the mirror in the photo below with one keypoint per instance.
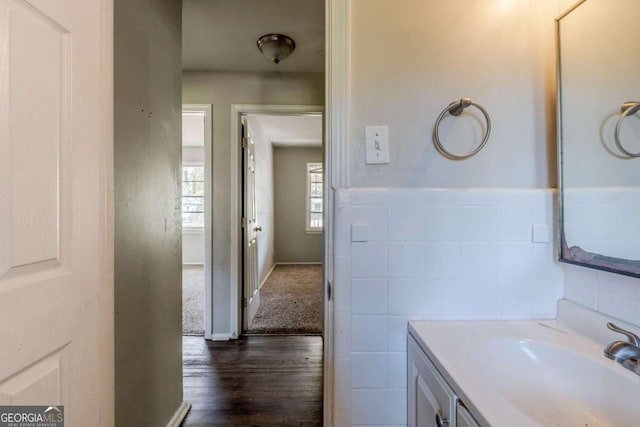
x,y
599,135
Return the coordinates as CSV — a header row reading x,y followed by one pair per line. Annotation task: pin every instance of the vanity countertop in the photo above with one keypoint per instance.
x,y
534,372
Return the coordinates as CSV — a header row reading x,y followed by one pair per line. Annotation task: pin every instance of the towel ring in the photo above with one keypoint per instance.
x,y
628,108
455,109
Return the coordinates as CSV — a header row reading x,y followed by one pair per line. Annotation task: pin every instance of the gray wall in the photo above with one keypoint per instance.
x,y
222,89
147,211
292,243
502,58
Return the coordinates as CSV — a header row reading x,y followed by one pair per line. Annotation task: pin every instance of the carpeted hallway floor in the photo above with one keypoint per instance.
x,y
192,299
290,301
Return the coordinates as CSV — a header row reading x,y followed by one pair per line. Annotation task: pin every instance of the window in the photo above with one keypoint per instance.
x,y
314,197
192,196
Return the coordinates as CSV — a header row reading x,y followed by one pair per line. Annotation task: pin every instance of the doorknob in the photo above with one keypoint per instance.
x,y
258,228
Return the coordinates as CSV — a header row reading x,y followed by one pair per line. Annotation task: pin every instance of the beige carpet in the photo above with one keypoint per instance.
x,y
193,299
290,301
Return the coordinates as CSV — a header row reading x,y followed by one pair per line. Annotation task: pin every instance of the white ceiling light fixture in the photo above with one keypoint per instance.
x,y
276,47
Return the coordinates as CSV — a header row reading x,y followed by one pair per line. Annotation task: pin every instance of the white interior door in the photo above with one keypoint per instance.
x,y
56,225
251,228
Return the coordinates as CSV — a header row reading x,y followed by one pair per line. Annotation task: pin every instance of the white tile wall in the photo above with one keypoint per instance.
x,y
369,296
611,294
369,370
430,254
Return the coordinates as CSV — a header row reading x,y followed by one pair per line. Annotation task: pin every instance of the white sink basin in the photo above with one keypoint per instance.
x,y
554,385
532,373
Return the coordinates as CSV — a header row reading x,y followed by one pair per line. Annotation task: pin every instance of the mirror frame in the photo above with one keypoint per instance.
x,y
574,254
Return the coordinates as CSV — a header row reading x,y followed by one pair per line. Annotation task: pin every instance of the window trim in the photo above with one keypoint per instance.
x,y
307,228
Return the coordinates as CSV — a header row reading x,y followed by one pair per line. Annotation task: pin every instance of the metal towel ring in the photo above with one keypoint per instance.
x,y
455,109
627,109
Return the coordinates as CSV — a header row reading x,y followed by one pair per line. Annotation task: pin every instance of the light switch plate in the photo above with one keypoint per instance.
x,y
377,143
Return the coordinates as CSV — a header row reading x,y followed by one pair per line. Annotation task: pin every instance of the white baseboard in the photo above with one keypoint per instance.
x,y
179,415
220,337
267,276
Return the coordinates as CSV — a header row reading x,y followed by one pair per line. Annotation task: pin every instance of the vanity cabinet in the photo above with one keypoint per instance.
x,y
430,400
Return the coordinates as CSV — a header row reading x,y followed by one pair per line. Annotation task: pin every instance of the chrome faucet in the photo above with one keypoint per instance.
x,y
626,353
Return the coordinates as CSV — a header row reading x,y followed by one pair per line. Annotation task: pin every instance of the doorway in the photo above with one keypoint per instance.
x,y
282,223
238,111
241,374
196,220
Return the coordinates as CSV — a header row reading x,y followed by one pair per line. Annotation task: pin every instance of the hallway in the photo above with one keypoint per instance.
x,y
253,381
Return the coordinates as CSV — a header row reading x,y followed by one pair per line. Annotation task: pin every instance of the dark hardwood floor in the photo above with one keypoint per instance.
x,y
253,381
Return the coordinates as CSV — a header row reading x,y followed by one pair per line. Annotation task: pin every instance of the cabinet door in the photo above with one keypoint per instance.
x,y
464,417
431,402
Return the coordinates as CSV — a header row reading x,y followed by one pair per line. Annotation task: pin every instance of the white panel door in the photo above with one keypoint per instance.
x,y
251,298
56,244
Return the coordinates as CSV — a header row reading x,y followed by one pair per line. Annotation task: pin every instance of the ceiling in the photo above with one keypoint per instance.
x,y
222,34
281,130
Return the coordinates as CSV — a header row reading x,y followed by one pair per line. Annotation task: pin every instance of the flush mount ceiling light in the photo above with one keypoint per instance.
x,y
276,47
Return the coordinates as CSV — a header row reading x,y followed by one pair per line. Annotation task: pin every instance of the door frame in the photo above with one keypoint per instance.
x,y
208,212
337,176
237,111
